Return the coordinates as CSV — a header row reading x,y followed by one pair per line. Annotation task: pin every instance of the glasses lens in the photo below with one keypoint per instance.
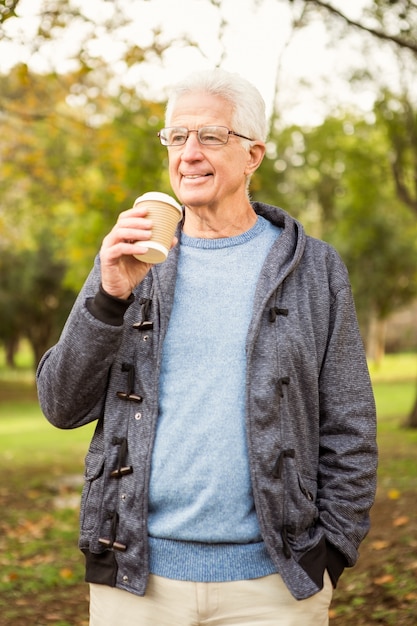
x,y
213,135
175,136
207,135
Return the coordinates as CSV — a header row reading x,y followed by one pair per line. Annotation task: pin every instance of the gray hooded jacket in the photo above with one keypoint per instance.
x,y
310,413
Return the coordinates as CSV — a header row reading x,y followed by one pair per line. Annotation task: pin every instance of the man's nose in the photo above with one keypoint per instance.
x,y
192,145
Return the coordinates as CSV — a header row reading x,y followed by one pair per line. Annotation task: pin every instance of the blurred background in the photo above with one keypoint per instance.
x,y
82,93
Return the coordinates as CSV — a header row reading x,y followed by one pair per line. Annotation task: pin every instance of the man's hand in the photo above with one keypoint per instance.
x,y
120,270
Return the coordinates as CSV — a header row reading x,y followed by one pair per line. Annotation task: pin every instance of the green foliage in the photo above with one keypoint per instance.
x,y
7,9
35,301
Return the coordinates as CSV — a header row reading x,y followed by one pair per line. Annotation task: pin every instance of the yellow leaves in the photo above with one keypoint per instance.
x,y
66,573
394,541
398,521
394,494
135,54
11,577
402,520
411,597
380,544
384,579
22,74
33,494
27,530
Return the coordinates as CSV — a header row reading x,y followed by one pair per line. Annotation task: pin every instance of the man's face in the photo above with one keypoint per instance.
x,y
207,176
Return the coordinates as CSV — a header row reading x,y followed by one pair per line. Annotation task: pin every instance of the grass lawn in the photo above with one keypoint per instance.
x,y
26,438
41,570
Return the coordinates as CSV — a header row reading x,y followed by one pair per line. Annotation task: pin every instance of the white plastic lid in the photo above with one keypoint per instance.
x,y
159,196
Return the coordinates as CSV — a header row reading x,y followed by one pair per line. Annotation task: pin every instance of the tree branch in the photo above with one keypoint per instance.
x,y
403,43
403,192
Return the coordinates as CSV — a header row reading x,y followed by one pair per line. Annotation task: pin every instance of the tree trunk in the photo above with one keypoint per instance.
x,y
375,338
11,346
412,418
39,337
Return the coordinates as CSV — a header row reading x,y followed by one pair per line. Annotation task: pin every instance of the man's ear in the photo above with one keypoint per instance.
x,y
256,154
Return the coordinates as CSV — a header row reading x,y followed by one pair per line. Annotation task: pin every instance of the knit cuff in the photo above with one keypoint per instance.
x,y
336,563
108,309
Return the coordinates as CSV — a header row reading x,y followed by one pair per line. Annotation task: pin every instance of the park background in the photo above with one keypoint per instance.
x,y
82,95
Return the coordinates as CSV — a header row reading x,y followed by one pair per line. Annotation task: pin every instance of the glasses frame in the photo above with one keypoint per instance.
x,y
198,131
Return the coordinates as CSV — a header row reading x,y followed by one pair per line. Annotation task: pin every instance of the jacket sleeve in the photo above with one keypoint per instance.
x,y
348,451
72,376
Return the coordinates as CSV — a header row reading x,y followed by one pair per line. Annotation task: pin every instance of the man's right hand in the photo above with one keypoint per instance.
x,y
121,272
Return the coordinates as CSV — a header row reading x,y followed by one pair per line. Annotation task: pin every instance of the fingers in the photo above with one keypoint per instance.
x,y
132,226
120,270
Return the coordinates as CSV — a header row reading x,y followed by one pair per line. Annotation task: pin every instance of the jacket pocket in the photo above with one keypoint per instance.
x,y
299,497
92,494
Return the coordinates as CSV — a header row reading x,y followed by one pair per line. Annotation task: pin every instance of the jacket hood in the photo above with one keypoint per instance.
x,y
291,243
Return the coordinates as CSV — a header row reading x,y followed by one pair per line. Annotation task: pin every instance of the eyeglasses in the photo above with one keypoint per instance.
x,y
207,135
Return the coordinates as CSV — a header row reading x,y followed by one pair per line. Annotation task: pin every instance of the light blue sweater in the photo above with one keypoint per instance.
x,y
202,520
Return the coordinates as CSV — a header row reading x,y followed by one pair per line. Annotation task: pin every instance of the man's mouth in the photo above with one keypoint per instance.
x,y
193,176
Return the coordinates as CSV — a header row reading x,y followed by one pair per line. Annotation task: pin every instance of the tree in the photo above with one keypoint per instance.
x,y
400,120
35,302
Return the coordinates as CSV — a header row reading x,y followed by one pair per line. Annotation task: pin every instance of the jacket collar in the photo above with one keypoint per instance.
x,y
282,259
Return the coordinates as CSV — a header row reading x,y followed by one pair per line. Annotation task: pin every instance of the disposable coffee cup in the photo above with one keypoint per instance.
x,y
165,213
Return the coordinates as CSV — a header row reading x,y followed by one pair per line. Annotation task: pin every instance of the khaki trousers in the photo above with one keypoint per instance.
x,y
259,602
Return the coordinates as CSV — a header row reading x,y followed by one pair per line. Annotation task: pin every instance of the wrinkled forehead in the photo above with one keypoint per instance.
x,y
199,108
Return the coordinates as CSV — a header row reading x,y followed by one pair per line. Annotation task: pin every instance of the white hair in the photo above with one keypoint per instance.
x,y
249,116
